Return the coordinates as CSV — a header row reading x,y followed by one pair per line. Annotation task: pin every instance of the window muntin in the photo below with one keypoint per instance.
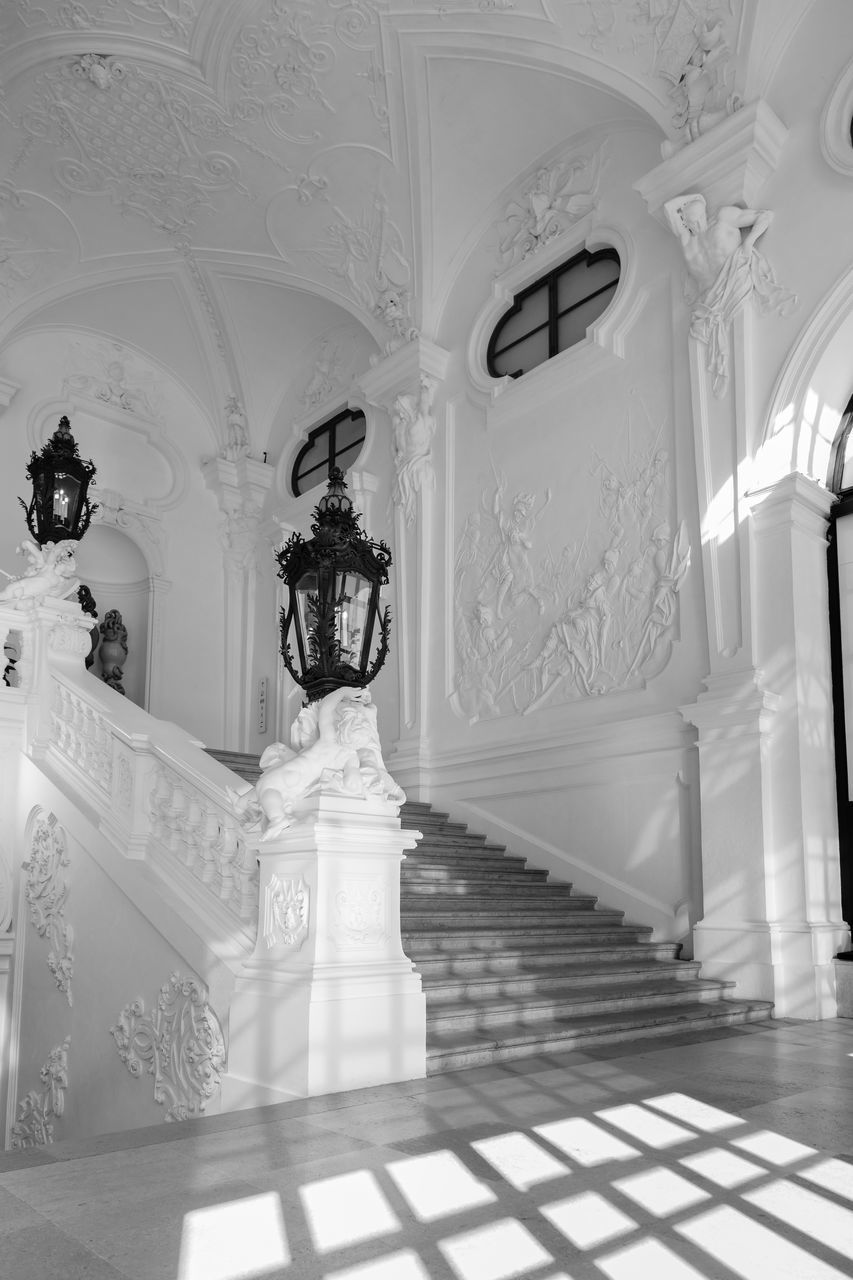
x,y
553,313
335,443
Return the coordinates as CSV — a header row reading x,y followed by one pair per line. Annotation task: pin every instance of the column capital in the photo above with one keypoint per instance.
x,y
238,482
729,164
795,500
401,371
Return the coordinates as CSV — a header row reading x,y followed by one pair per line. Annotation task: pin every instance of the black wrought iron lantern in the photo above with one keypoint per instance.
x,y
332,615
59,507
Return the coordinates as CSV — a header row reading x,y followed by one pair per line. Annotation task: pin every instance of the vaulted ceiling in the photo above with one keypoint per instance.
x,y
220,182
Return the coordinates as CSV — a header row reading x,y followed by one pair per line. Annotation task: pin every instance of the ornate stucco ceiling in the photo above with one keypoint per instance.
x,y
215,162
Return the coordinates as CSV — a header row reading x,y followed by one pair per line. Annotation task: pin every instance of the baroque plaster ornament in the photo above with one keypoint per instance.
x,y
49,573
367,256
102,72
119,379
180,1043
240,533
359,912
173,19
532,629
335,751
285,918
696,69
557,196
37,1112
46,891
327,376
237,445
725,270
414,428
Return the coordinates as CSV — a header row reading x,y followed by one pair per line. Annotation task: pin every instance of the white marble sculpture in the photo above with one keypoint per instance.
x,y
237,445
414,428
336,750
50,572
699,83
726,269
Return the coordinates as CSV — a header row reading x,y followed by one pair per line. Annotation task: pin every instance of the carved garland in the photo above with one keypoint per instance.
x,y
46,891
180,1043
38,1110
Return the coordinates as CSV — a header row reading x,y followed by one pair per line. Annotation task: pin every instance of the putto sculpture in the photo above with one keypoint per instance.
x,y
50,571
335,750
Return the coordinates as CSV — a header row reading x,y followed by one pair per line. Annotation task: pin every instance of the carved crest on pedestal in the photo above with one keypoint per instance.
x,y
285,911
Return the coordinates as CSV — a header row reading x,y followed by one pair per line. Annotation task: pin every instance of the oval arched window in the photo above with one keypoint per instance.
x,y
335,443
553,313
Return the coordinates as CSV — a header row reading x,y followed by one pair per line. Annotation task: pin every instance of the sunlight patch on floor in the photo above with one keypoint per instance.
x,y
345,1210
234,1241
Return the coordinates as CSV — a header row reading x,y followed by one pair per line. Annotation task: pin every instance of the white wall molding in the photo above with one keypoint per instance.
x,y
835,141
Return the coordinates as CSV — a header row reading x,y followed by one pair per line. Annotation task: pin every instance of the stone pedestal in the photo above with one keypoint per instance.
x,y
328,1001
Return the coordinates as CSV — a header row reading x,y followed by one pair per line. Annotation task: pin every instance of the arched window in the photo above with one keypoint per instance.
x,y
335,443
553,313
840,476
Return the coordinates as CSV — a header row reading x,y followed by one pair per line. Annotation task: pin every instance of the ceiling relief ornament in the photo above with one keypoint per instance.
x,y
725,270
287,68
366,257
328,376
414,427
695,58
555,198
180,1043
532,628
46,891
173,19
18,255
285,918
109,373
37,1112
140,139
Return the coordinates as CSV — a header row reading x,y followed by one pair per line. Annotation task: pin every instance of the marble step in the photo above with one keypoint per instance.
x,y
424,942
413,871
444,988
570,1003
588,958
451,1050
415,889
568,913
462,861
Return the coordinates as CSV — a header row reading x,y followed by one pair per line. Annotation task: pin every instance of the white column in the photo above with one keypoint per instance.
x,y
329,1000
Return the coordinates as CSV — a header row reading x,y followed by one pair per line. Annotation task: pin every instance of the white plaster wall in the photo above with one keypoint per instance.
x,y
119,956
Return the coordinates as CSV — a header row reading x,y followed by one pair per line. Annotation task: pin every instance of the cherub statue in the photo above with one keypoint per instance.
x,y
336,751
725,270
50,572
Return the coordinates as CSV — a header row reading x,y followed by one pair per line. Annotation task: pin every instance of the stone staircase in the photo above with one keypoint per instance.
x,y
514,964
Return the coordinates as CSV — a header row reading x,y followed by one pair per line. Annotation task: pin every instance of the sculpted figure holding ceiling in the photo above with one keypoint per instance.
x,y
725,270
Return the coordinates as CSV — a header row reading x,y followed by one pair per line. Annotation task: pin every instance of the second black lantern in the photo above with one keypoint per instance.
x,y
332,613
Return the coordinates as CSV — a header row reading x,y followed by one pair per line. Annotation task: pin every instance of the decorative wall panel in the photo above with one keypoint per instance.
x,y
180,1043
37,1112
46,892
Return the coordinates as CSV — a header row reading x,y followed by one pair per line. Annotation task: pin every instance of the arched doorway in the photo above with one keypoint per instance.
x,y
840,570
115,571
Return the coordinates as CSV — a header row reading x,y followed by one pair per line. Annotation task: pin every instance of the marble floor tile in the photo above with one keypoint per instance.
x,y
560,1167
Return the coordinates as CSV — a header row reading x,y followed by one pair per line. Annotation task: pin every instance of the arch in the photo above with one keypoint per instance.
x,y
810,394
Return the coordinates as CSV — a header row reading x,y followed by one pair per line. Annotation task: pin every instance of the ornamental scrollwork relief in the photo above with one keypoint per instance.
x,y
38,1110
533,627
359,912
46,891
554,199
285,920
180,1043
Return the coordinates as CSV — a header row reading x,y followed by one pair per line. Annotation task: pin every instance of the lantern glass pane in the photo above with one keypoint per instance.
x,y
351,614
66,498
306,591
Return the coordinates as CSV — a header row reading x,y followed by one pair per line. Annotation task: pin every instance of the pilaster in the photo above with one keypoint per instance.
x,y
241,487
770,871
328,1001
406,385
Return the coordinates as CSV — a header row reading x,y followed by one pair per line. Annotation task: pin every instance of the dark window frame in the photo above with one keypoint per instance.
x,y
329,428
550,282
